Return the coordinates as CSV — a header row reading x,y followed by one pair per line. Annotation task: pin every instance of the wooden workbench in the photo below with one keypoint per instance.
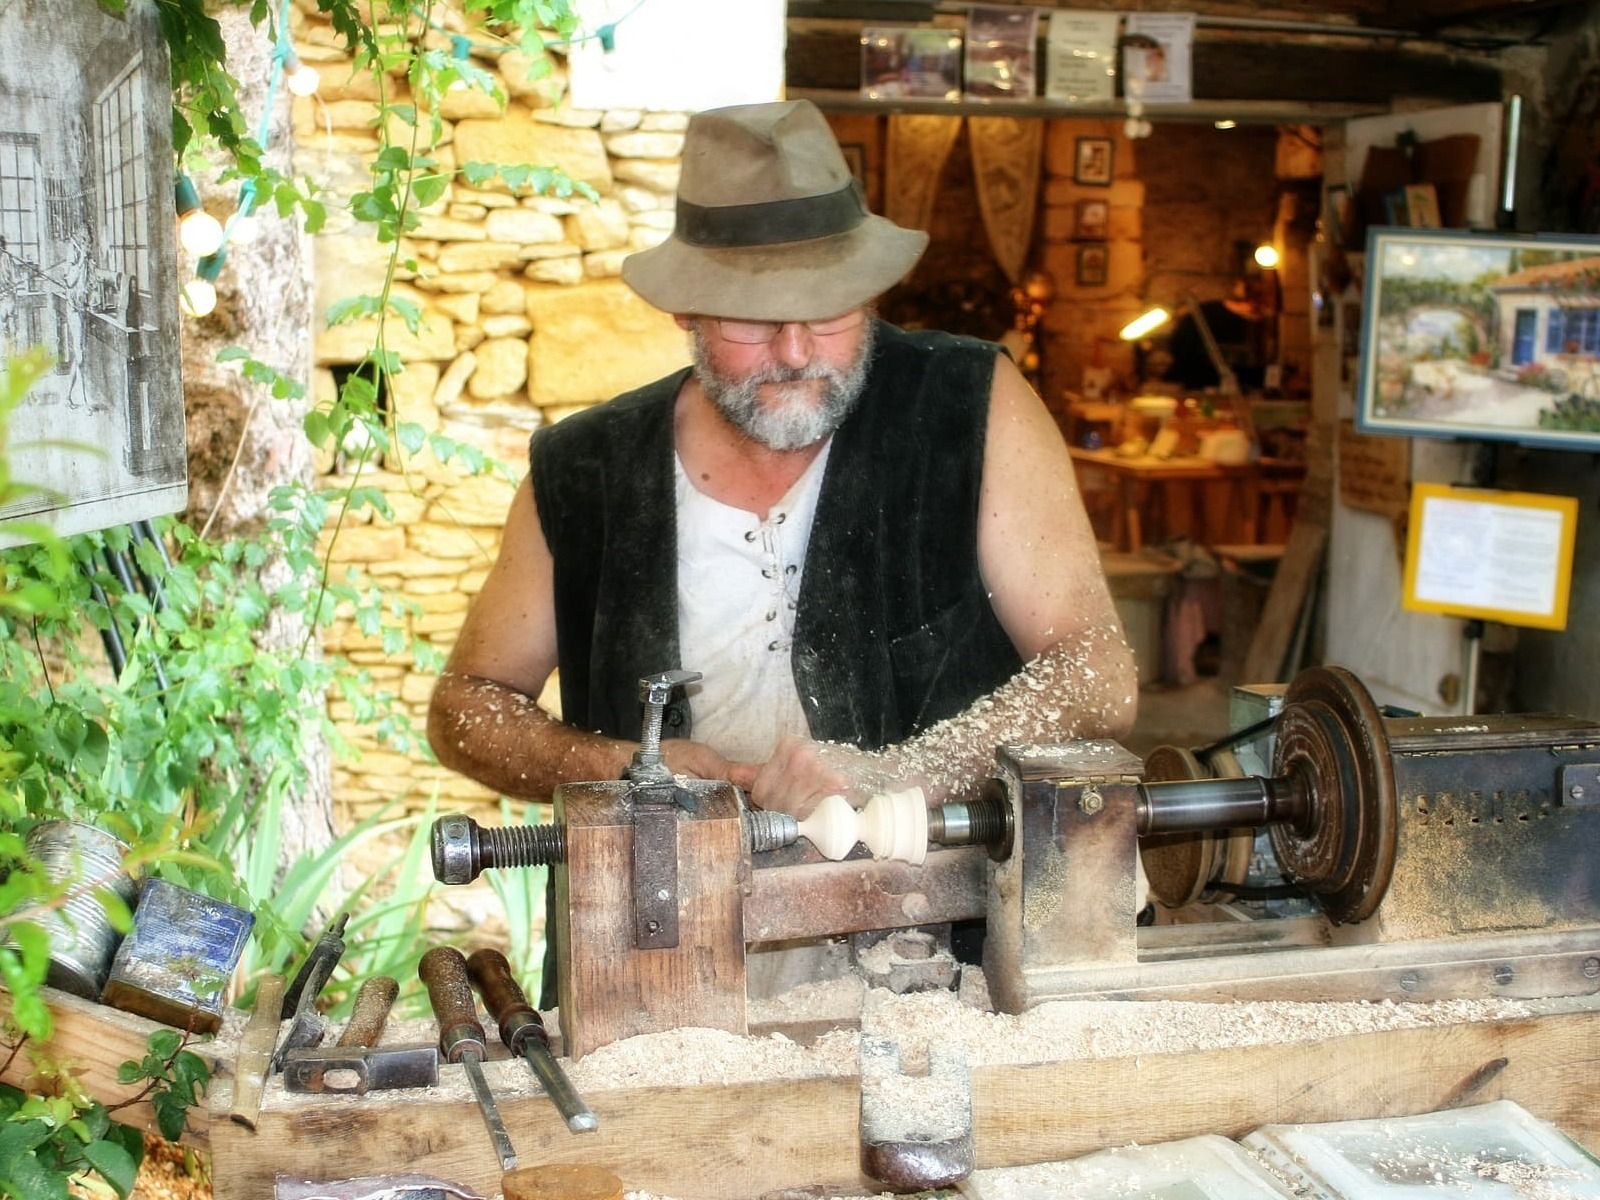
x,y
741,1140
1186,494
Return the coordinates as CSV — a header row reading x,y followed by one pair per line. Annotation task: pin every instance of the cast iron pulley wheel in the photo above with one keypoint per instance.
x,y
1331,742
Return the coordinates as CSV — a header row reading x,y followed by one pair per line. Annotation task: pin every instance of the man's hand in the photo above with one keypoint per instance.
x,y
801,772
696,760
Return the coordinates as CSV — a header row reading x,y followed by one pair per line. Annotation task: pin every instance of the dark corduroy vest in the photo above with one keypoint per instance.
x,y
894,629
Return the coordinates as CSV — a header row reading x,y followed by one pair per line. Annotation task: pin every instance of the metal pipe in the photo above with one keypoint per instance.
x,y
1198,805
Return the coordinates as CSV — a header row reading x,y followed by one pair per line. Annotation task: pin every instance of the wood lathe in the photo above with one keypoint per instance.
x,y
1446,859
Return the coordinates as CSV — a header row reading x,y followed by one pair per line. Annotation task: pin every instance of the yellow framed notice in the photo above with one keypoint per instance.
x,y
1498,556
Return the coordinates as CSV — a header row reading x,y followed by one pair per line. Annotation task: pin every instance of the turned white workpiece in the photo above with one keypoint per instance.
x,y
892,825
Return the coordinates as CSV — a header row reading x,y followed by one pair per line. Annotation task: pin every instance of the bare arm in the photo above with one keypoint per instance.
x,y
483,719
1041,566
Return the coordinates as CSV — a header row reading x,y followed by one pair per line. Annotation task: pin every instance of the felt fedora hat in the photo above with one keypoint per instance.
x,y
770,224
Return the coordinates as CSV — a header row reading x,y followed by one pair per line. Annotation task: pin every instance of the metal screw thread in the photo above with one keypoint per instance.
x,y
770,830
971,823
650,738
521,846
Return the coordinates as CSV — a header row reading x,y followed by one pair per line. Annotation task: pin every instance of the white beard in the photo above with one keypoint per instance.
x,y
792,419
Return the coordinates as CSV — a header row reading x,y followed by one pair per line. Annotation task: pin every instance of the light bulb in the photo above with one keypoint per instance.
x,y
244,229
200,233
1225,123
198,298
303,80
1266,256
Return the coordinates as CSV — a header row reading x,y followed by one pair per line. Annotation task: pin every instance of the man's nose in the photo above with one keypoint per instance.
x,y
792,346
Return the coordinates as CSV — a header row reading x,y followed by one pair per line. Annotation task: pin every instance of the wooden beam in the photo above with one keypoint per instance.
x,y
92,1041
1227,65
824,899
740,1140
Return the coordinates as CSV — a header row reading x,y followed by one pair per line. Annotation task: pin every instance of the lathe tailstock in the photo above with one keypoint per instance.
x,y
1446,858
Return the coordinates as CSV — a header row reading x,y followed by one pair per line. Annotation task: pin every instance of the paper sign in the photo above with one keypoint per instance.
x,y
1374,472
1081,56
1500,556
1159,69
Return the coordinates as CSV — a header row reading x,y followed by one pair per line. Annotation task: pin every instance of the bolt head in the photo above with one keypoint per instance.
x,y
1091,801
1409,981
453,858
1591,968
1576,791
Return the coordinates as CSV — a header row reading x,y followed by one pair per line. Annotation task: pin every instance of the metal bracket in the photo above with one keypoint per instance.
x,y
655,873
1578,784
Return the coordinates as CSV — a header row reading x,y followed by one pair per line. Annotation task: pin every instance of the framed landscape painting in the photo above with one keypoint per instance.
x,y
1482,336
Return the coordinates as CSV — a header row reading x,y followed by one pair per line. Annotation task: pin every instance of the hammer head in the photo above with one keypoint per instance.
x,y
356,1070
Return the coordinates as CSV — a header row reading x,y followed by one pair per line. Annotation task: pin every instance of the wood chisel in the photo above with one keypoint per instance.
x,y
461,1038
523,1032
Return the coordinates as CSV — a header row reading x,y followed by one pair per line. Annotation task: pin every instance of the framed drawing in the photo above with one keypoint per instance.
x,y
1091,162
1481,336
1093,265
1093,218
87,243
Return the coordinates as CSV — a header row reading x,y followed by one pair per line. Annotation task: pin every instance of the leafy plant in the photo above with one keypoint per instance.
x,y
46,1142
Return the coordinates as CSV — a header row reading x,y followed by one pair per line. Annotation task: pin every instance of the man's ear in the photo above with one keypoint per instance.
x,y
684,323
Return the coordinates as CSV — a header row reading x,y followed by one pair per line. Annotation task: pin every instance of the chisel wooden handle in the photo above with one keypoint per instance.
x,y
517,1019
373,1003
444,973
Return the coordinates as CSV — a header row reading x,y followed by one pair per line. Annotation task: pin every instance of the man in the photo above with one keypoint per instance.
x,y
869,541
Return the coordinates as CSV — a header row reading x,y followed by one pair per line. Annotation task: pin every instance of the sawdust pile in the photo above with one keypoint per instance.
x,y
1085,1029
167,1174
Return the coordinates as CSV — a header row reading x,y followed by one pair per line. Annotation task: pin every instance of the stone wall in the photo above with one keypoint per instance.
x,y
524,321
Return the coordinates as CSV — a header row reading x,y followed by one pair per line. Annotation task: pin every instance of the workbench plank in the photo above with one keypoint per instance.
x,y
734,1141
92,1041
1547,1063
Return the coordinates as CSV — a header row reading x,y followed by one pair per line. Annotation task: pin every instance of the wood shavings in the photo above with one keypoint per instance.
x,y
684,1057
837,1000
1087,1029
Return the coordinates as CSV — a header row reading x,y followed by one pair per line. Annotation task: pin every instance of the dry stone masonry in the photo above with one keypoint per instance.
x,y
524,321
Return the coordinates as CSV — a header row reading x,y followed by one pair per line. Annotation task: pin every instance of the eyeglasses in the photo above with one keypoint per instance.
x,y
759,333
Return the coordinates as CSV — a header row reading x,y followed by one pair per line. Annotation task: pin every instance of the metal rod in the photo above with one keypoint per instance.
x,y
579,1116
491,1111
1191,806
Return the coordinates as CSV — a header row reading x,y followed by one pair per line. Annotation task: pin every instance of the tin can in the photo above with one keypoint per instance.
x,y
177,961
82,940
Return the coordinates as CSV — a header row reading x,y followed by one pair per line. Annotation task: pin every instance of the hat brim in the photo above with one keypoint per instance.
x,y
791,281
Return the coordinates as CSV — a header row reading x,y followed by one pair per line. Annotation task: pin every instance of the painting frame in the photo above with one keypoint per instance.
x,y
1091,219
1492,337
87,247
1092,161
1092,264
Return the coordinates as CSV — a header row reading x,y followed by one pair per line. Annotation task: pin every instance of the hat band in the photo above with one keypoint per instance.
x,y
772,222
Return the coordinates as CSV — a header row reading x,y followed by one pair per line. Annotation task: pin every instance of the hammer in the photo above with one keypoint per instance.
x,y
355,1066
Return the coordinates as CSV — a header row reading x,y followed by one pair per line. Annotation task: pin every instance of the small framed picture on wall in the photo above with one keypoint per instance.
x,y
1093,218
1094,259
1091,163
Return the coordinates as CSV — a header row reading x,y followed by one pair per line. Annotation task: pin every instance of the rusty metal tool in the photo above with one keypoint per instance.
x,y
255,1052
357,1065
916,1132
523,1032
461,1038
300,1001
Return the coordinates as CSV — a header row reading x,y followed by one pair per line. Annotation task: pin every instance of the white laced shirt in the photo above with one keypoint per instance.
x,y
738,592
